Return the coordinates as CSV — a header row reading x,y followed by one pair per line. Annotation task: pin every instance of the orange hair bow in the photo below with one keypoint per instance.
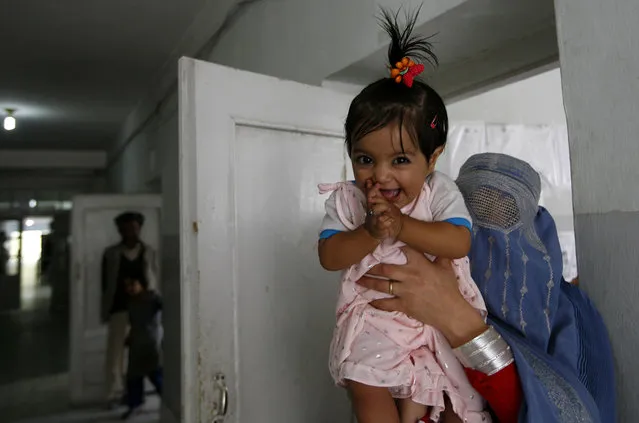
x,y
406,71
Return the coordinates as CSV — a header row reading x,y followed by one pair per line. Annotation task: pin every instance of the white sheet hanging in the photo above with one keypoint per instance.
x,y
545,147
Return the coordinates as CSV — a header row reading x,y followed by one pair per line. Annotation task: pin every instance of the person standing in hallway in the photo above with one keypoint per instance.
x,y
144,339
130,257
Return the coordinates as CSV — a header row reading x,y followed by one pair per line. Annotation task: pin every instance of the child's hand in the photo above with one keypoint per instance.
x,y
384,220
377,227
395,220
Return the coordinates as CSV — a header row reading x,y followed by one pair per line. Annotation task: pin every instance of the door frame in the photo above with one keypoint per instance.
x,y
189,325
77,283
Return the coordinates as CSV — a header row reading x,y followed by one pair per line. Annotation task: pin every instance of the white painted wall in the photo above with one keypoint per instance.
x,y
48,185
533,101
267,37
536,100
598,47
49,175
52,159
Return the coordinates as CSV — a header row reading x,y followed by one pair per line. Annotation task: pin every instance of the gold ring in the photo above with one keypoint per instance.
x,y
390,287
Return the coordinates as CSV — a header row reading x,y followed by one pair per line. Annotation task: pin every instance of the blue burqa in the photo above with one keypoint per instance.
x,y
561,346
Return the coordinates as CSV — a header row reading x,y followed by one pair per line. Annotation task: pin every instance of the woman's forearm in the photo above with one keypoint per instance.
x,y
488,362
463,324
491,370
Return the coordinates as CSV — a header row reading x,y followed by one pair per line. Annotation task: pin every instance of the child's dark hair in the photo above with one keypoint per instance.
x,y
140,277
418,108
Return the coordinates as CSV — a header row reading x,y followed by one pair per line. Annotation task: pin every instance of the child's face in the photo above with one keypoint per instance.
x,y
133,287
378,157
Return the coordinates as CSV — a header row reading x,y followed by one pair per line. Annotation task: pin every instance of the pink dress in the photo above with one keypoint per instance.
x,y
390,349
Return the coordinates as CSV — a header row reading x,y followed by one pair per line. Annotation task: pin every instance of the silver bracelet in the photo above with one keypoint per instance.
x,y
487,353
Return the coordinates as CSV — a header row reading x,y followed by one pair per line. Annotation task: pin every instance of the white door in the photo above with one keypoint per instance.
x,y
258,309
92,231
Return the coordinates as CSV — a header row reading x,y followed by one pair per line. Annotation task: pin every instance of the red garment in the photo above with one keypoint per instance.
x,y
502,391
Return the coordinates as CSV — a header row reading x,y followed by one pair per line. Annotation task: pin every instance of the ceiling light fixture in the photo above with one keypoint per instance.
x,y
10,121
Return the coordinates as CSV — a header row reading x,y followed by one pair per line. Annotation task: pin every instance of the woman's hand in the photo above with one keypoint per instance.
x,y
428,292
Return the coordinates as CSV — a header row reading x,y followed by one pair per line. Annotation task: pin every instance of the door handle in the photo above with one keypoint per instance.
x,y
221,404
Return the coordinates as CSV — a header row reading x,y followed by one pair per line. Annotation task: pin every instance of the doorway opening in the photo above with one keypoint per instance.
x,y
23,259
35,292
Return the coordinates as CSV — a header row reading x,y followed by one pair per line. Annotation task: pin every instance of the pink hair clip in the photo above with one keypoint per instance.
x,y
433,124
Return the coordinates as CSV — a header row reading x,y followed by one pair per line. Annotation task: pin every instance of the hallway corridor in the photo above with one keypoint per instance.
x,y
34,358
34,365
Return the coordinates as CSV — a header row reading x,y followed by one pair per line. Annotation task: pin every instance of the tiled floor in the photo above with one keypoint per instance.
x,y
34,361
45,400
34,397
149,414
34,344
34,351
